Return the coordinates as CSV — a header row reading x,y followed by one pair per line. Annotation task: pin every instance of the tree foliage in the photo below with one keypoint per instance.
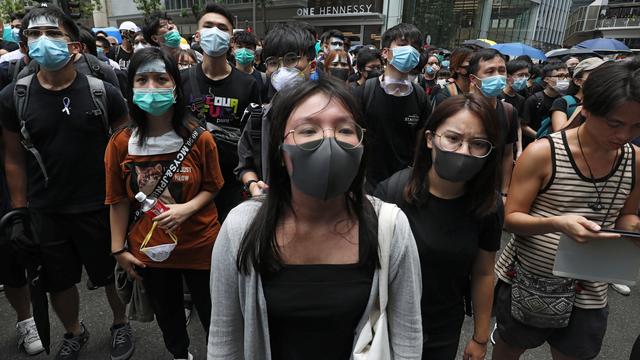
x,y
8,7
148,7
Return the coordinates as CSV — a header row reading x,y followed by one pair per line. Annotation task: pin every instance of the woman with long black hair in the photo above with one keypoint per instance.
x,y
175,244
295,274
455,213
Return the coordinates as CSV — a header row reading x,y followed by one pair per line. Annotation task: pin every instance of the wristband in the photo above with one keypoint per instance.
x,y
473,338
114,253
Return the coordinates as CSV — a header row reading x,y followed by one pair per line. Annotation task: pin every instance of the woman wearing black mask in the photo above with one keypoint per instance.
x,y
369,65
455,213
298,269
338,64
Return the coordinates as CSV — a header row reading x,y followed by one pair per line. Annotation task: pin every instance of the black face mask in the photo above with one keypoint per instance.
x,y
342,74
373,74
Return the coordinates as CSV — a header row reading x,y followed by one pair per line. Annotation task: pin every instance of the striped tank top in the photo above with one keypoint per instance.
x,y
570,192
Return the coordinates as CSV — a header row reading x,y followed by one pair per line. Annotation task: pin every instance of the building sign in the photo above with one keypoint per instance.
x,y
338,7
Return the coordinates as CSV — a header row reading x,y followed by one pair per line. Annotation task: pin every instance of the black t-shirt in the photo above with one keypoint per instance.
x,y
392,125
536,109
560,104
509,122
72,146
448,237
122,57
516,101
222,103
263,86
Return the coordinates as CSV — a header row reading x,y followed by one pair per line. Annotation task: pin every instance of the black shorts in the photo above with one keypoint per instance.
x,y
12,272
581,339
69,241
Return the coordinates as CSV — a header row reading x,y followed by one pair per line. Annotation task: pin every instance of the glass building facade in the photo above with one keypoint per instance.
x,y
612,19
449,23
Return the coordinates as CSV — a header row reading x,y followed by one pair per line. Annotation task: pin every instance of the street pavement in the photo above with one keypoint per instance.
x,y
624,326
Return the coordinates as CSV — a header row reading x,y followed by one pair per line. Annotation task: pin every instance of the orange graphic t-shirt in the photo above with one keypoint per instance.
x,y
131,168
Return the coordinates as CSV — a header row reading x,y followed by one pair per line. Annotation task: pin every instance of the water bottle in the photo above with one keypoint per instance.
x,y
150,206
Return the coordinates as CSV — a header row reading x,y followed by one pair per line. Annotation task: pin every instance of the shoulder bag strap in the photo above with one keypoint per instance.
x,y
171,169
193,81
21,101
99,97
386,227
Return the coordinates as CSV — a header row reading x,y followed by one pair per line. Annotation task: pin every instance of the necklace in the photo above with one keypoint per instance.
x,y
595,206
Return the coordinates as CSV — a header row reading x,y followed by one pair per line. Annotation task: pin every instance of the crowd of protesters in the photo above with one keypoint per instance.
x,y
309,199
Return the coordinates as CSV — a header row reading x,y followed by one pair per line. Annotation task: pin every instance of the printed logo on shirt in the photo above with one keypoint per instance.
x,y
218,110
412,119
144,176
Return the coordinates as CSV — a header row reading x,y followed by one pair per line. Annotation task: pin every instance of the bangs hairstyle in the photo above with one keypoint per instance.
x,y
610,85
483,187
53,14
181,124
259,247
458,56
152,24
333,54
403,31
292,37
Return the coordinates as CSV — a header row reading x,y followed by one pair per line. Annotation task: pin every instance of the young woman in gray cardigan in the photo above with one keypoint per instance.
x,y
295,274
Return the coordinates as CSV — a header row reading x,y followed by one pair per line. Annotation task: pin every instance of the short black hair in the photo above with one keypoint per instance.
x,y
551,67
366,56
102,32
88,39
246,39
16,16
526,58
610,85
152,24
517,65
55,14
331,33
216,9
482,55
103,42
292,37
403,31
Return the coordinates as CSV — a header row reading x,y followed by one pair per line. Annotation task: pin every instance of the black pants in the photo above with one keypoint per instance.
x,y
167,299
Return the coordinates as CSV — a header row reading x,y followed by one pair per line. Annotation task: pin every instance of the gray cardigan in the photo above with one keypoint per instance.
x,y
239,328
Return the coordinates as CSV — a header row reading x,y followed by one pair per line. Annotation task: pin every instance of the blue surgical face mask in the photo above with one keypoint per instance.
x,y
429,70
405,58
50,54
214,41
445,64
172,39
492,86
100,51
154,101
519,84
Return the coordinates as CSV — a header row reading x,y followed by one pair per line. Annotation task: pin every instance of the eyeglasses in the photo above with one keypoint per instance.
x,y
451,141
337,43
309,137
288,60
50,33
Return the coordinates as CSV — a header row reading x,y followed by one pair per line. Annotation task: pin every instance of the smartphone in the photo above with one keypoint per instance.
x,y
622,232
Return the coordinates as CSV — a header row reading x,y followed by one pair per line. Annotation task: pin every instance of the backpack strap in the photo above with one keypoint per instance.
x,y
14,68
99,97
572,104
21,100
452,88
369,89
193,82
421,95
264,78
94,66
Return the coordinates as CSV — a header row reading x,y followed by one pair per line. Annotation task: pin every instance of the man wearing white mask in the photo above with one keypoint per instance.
x,y
395,108
217,94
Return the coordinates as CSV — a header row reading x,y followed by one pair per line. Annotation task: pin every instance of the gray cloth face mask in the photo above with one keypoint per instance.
x,y
325,172
457,167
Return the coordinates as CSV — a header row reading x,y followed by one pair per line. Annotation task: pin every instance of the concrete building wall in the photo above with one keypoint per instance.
x,y
551,24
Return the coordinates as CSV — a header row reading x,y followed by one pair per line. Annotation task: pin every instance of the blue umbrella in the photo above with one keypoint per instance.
x,y
604,45
111,31
517,49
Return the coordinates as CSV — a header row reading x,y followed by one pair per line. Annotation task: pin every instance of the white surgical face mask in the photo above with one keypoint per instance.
x,y
139,47
286,76
441,82
561,86
158,253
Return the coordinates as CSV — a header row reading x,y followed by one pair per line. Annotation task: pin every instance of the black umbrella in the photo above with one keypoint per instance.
x,y
572,51
29,254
